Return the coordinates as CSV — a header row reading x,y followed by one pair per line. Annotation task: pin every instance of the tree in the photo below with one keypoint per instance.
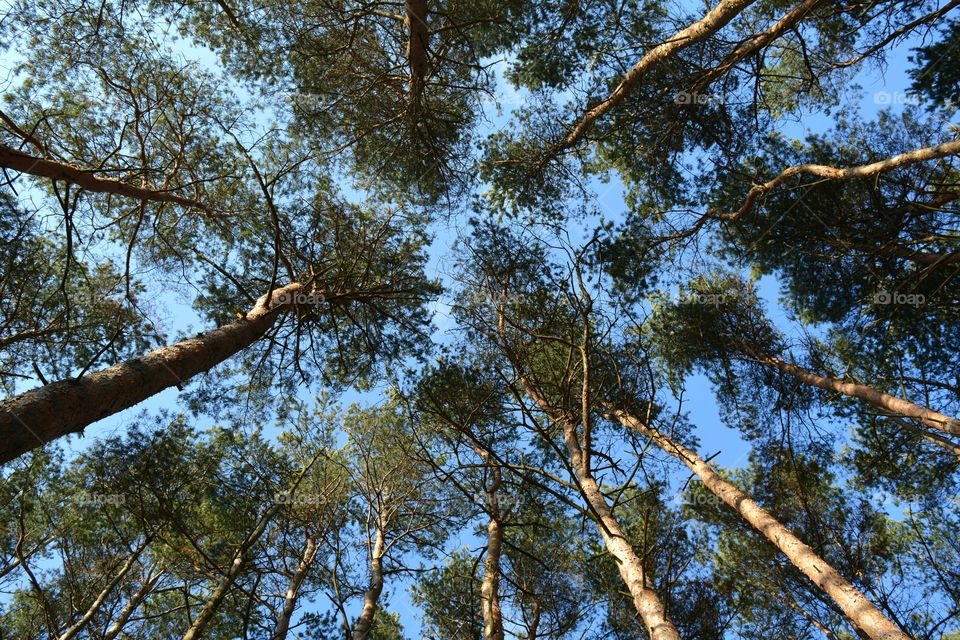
x,y
448,289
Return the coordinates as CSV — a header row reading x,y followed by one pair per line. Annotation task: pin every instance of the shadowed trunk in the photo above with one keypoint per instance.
x,y
862,613
41,415
415,19
361,631
293,591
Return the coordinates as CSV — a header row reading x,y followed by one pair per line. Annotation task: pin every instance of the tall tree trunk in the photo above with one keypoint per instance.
x,y
490,588
534,627
371,599
415,18
237,564
41,415
293,591
715,19
132,605
864,615
94,607
645,598
878,399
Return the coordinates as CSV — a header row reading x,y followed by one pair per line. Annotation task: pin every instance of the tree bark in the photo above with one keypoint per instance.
x,y
11,158
878,399
41,415
371,599
415,18
74,629
850,173
490,588
713,21
131,606
239,561
756,43
858,609
293,591
645,599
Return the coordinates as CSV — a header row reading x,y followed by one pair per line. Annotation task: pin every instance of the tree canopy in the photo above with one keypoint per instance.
x,y
370,320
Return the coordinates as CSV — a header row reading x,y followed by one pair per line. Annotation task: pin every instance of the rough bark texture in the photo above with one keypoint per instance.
x,y
293,591
645,599
11,158
371,599
862,613
878,399
490,588
36,417
716,19
415,18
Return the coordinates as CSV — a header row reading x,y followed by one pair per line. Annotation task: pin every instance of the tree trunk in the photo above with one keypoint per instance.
x,y
371,598
858,609
240,557
131,606
713,21
415,18
41,415
293,591
534,627
73,630
645,599
490,588
878,399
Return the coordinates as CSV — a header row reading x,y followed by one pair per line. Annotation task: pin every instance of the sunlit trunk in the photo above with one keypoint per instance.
x,y
41,415
862,613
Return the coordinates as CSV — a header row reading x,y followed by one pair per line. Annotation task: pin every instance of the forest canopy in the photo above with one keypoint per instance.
x,y
373,320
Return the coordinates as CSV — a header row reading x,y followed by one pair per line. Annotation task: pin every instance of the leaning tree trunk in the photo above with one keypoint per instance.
x,y
293,591
128,610
858,609
36,417
878,399
97,603
241,555
371,599
645,598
